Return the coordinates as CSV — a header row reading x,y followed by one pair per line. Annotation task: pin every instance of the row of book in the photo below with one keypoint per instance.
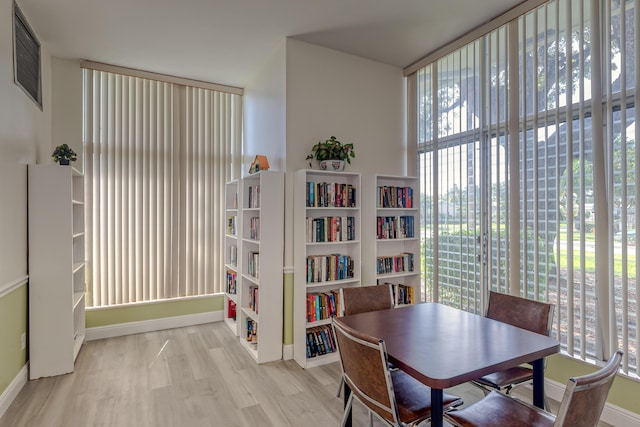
x,y
254,228
395,264
330,229
402,294
252,331
320,340
394,197
330,195
253,264
323,305
253,196
394,227
231,225
231,282
253,298
234,200
233,255
324,268
231,310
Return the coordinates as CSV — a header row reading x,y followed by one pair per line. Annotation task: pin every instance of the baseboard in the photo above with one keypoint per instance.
x,y
612,414
287,352
11,392
142,326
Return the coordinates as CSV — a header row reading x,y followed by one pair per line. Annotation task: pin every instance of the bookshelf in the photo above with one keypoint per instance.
x,y
391,225
327,232
233,193
259,300
56,269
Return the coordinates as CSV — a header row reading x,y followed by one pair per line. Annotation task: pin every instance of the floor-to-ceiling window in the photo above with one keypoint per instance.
x,y
158,155
527,158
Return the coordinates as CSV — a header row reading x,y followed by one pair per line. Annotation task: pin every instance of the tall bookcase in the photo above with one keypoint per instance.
x,y
255,227
327,257
391,225
56,269
232,263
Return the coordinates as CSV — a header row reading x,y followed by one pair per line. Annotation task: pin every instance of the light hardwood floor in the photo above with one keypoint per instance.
x,y
187,377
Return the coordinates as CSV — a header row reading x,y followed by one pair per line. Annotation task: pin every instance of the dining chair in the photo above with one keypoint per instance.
x,y
362,300
394,397
534,316
582,404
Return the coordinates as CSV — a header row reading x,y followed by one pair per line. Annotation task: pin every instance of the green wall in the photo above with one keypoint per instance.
x,y
624,392
287,333
13,322
158,310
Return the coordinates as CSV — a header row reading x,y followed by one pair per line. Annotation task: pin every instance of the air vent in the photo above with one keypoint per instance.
x,y
26,57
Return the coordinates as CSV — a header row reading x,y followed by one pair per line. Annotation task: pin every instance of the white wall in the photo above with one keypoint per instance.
x,y
265,113
25,136
355,99
66,106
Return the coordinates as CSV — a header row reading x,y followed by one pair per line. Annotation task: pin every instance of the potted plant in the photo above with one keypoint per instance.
x,y
63,154
332,154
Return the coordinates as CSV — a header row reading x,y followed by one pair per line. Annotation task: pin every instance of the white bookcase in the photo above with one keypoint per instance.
x,y
259,284
56,269
391,225
232,262
324,232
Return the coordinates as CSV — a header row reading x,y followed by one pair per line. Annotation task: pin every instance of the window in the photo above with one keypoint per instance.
x,y
26,57
158,155
519,192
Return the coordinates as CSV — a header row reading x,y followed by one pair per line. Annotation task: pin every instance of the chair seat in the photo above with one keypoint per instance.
x,y
414,398
496,409
507,377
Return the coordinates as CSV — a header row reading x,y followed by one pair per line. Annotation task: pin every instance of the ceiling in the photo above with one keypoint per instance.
x,y
226,41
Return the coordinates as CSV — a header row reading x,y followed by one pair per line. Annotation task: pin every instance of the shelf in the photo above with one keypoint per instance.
x,y
322,360
78,297
57,264
395,191
266,188
250,313
338,187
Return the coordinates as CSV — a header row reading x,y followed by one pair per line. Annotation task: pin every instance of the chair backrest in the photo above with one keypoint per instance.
x,y
364,365
366,298
585,396
531,315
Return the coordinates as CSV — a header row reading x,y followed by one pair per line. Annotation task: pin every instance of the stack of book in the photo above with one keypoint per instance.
x,y
330,229
323,268
330,195
320,341
394,227
322,305
394,197
395,264
231,282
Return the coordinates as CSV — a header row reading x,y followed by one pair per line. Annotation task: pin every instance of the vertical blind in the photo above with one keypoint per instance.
x,y
527,154
157,156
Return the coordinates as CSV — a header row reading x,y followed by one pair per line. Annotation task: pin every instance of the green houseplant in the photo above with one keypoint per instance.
x,y
63,154
332,154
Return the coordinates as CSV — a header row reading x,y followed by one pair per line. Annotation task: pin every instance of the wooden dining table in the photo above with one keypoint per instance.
x,y
442,347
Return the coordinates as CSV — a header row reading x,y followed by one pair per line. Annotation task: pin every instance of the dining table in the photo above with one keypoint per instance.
x,y
442,346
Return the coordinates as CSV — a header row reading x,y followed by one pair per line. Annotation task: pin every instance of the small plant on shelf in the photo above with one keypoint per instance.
x,y
332,154
63,154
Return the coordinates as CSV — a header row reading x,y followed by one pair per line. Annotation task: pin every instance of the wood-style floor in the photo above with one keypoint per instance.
x,y
187,377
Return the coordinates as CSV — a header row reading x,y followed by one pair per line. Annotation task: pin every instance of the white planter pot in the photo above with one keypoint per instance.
x,y
332,165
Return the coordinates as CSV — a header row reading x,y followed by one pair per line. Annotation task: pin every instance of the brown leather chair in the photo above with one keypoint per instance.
x,y
392,396
366,298
531,315
582,404
362,300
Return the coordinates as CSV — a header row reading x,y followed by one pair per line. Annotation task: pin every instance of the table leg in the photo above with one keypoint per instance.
x,y
436,407
538,383
347,393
